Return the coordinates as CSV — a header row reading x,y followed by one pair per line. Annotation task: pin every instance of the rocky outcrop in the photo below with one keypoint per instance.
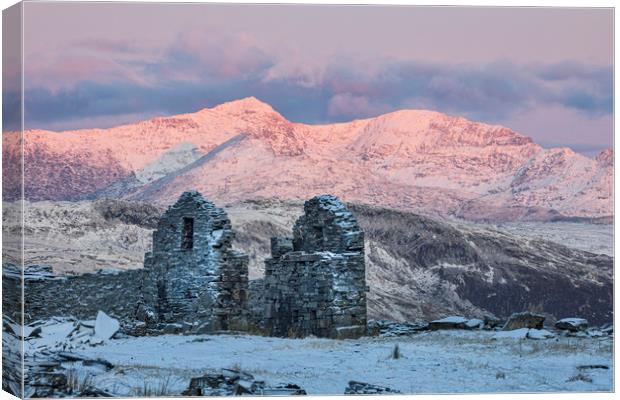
x,y
524,320
140,214
50,174
315,281
425,268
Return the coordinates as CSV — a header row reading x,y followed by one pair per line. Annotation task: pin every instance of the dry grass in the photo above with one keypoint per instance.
x,y
580,377
77,381
563,345
255,330
156,388
322,344
293,333
535,308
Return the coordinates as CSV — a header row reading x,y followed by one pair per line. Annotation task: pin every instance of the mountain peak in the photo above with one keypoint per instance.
x,y
247,104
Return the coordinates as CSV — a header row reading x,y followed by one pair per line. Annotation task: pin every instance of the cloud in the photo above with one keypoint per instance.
x,y
105,81
233,55
296,69
569,70
555,125
110,46
85,100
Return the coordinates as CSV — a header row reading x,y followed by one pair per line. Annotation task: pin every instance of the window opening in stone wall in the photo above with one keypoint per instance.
x,y
188,234
319,235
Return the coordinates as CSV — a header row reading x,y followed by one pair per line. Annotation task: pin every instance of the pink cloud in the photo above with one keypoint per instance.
x,y
55,70
225,55
296,68
554,125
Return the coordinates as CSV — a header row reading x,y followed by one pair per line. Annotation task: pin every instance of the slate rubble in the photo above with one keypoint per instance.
x,y
355,387
231,382
50,367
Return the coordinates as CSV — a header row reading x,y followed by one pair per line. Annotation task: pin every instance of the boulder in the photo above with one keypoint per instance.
x,y
474,323
572,324
105,326
453,322
367,388
230,382
524,320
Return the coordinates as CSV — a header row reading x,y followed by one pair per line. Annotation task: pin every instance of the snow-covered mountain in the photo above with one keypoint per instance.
x,y
412,159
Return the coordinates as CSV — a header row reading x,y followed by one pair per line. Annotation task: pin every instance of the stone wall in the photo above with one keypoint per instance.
x,y
115,292
194,281
315,281
193,275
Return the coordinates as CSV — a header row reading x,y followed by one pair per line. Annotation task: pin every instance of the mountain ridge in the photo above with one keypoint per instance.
x,y
421,160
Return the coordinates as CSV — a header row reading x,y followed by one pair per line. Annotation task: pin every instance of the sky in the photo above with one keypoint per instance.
x,y
545,72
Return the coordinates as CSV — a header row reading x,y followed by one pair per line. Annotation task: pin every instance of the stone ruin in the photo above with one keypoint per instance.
x,y
315,280
193,275
194,281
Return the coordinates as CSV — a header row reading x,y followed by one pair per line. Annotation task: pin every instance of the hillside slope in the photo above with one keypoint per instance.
x,y
417,267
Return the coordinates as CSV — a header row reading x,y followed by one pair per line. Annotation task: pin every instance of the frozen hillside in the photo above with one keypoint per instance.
x,y
418,160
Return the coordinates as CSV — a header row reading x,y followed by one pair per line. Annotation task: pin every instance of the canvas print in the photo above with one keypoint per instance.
x,y
278,200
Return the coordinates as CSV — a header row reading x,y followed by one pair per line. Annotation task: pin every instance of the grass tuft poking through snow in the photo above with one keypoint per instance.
x,y
580,377
78,381
396,352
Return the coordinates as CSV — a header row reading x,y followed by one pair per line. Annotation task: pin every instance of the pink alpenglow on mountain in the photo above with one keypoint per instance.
x,y
413,159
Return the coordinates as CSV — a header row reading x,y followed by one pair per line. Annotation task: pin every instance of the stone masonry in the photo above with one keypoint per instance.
x,y
315,281
193,275
193,281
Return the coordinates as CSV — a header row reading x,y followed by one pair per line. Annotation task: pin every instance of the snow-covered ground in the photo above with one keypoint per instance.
x,y
431,362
